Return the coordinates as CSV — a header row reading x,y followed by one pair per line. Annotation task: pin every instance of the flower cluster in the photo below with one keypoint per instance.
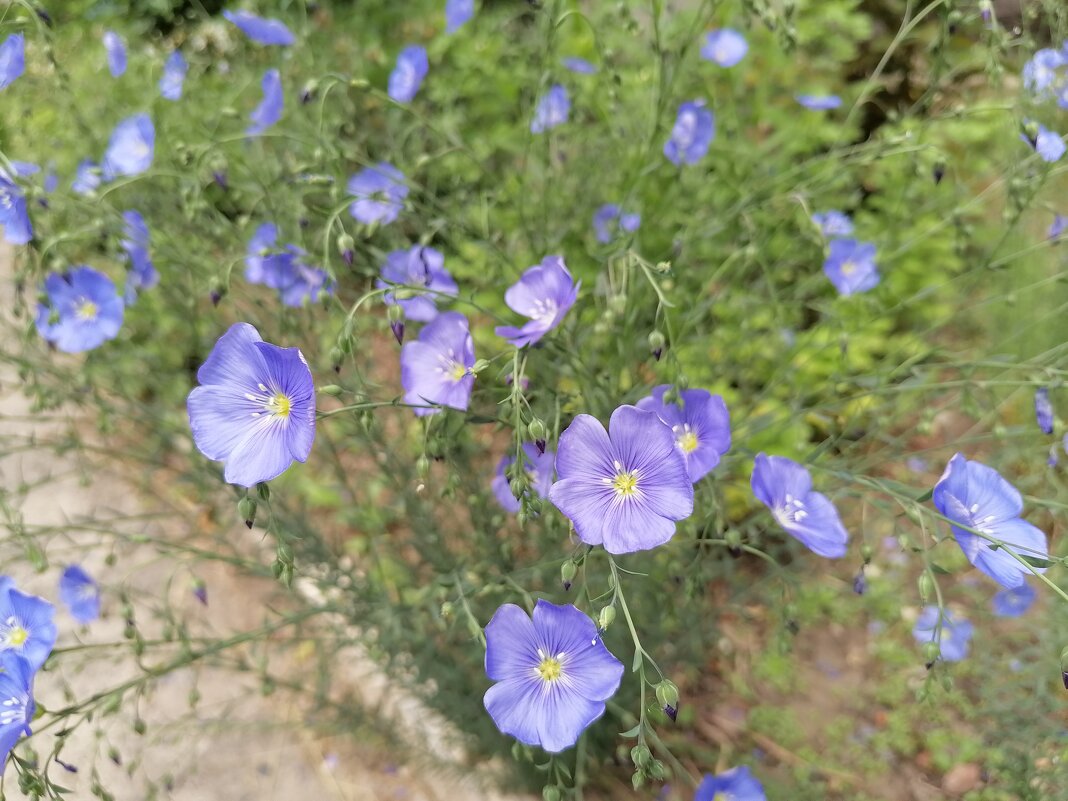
x,y
850,264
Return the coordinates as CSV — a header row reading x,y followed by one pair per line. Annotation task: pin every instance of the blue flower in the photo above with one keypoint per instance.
x,y
1058,226
261,265
819,102
539,469
27,626
725,47
624,488
1043,410
436,370
694,130
785,487
1048,144
131,147
457,13
174,70
116,50
736,784
1014,602
258,29
86,178
80,593
609,219
12,59
142,273
83,310
974,495
851,266
544,293
379,194
16,701
417,267
833,223
553,674
579,65
14,213
255,407
701,425
51,179
269,111
1041,71
952,635
300,283
553,109
408,75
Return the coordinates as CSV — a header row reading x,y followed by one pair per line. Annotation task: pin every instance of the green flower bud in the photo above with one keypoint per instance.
x,y
640,755
422,466
246,510
479,366
926,586
536,429
606,616
667,694
263,489
550,793
656,340
333,390
567,573
931,652
394,313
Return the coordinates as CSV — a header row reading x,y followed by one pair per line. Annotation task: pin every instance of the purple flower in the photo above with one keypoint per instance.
x,y
379,194
833,223
298,283
142,273
701,426
408,75
785,487
1049,145
417,267
539,470
14,213
437,368
851,266
12,59
736,784
80,594
1041,71
1043,410
27,627
262,263
610,219
174,70
544,293
51,179
725,47
258,29
1014,602
269,111
694,130
579,65
457,13
819,102
624,488
552,110
86,178
974,495
952,635
131,147
1058,226
83,310
553,674
116,50
255,407
16,699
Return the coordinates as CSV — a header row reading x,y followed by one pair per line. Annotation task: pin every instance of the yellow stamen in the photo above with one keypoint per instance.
x,y
848,268
279,405
688,442
458,371
626,484
18,636
87,310
549,668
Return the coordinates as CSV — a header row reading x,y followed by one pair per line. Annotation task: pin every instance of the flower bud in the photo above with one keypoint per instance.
x,y
640,755
336,357
333,390
397,327
866,553
536,430
422,466
605,618
567,573
308,92
926,586
359,83
479,366
550,792
246,510
263,489
931,652
217,290
860,583
345,247
667,694
656,344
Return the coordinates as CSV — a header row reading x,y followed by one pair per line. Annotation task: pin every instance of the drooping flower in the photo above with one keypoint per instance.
x,y
553,109
80,594
725,47
142,274
116,52
951,634
701,426
16,702
553,674
27,626
83,310
736,784
974,495
694,130
579,65
1014,602
379,194
785,487
255,407
260,30
436,369
408,75
1041,71
624,488
539,469
269,111
833,223
1058,226
174,70
417,267
86,178
819,102
610,219
457,14
544,293
14,213
1048,144
1043,410
131,148
851,266
12,59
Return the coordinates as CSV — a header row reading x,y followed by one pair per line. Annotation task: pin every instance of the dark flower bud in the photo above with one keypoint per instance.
x,y
335,358
567,573
308,92
219,176
200,592
217,290
246,510
345,246
656,344
931,652
667,695
671,712
860,583
263,489
397,327
938,172
67,767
